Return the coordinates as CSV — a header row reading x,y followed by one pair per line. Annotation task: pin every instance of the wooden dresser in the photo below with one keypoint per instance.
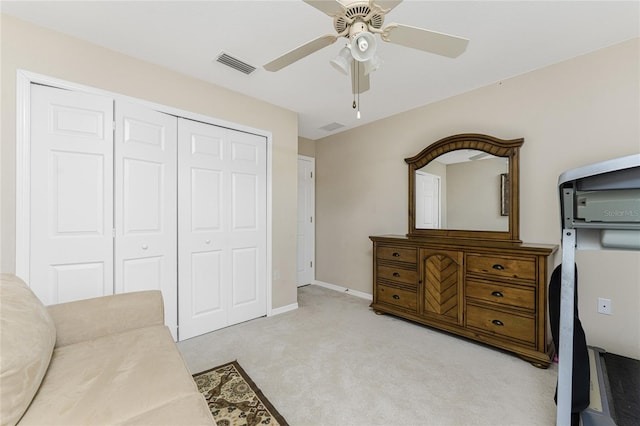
x,y
491,292
462,267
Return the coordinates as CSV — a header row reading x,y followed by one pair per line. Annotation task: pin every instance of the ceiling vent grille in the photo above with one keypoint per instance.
x,y
331,127
235,63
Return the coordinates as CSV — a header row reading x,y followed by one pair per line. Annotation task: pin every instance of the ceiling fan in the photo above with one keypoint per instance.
x,y
358,21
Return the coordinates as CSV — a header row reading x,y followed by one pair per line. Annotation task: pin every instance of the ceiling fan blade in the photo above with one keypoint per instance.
x,y
330,7
426,40
387,4
300,52
359,81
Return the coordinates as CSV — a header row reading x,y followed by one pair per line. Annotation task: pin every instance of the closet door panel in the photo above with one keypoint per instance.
x,y
206,191
145,204
71,216
248,230
222,227
206,283
203,256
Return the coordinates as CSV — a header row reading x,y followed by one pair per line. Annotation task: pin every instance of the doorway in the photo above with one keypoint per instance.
x,y
306,238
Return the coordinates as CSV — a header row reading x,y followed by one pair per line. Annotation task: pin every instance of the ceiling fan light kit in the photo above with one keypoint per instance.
x,y
342,61
372,65
363,46
359,21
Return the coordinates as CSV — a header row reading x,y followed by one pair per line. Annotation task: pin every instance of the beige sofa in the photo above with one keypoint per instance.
x,y
103,361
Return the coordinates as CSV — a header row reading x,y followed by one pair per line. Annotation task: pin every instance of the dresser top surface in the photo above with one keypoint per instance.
x,y
463,243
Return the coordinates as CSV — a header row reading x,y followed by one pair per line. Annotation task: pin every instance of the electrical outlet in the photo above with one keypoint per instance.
x,y
604,306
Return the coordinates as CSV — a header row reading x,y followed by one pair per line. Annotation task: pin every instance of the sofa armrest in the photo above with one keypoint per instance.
x,y
101,316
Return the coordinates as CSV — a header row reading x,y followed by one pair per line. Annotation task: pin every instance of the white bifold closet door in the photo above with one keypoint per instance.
x,y
71,193
102,208
222,227
146,239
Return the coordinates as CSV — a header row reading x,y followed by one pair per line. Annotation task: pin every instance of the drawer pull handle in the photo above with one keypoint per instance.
x,y
498,266
396,274
395,296
396,254
498,323
497,294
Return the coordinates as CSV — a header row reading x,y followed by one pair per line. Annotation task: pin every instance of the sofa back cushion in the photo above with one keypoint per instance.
x,y
26,344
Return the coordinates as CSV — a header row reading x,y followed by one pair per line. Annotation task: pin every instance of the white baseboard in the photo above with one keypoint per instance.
x,y
283,309
356,293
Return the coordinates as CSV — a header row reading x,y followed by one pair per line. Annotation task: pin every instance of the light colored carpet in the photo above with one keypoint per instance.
x,y
334,362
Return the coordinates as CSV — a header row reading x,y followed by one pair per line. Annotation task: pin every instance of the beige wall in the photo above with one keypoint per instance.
x,y
571,114
474,186
25,46
306,147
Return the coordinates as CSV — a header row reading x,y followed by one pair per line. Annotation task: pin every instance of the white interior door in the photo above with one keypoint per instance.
x,y
71,215
427,201
306,217
145,204
222,227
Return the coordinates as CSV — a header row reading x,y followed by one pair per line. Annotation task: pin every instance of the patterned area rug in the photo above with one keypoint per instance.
x,y
234,400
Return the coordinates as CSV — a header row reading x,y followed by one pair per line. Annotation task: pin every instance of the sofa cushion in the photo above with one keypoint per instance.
x,y
112,379
26,343
189,410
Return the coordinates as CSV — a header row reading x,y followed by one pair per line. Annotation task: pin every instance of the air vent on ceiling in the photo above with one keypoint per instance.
x,y
235,63
331,126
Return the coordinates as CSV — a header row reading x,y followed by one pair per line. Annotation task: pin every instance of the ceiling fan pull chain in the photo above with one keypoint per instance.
x,y
358,88
353,82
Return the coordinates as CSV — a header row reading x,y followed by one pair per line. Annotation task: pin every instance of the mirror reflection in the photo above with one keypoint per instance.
x,y
463,189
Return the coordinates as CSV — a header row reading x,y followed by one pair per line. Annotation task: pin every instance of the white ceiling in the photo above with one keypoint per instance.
x,y
507,38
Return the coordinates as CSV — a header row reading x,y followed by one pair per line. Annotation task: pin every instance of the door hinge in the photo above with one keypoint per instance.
x,y
311,264
311,219
311,174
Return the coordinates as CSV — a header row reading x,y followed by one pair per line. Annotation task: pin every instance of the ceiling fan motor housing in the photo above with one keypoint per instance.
x,y
355,10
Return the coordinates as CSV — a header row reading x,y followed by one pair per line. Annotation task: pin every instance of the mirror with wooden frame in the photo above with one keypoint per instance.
x,y
466,186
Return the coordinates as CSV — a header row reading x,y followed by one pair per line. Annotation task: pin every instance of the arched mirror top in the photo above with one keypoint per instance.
x,y
491,217
490,144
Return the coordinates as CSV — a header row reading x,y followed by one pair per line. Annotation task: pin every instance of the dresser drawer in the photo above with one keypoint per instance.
x,y
521,297
501,323
396,253
506,267
396,296
393,273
